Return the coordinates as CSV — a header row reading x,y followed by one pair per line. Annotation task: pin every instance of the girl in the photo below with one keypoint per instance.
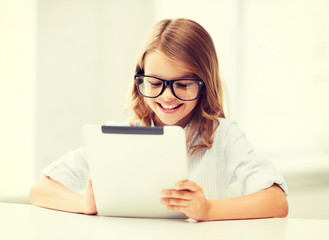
x,y
177,82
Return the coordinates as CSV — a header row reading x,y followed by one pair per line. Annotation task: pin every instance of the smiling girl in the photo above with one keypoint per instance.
x,y
177,83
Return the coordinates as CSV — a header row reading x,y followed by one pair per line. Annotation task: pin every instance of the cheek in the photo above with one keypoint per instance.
x,y
150,102
192,105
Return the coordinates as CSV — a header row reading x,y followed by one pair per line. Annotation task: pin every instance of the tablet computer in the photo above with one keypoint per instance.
x,y
130,166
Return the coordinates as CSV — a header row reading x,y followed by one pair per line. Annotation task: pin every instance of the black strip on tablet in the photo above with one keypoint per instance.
x,y
133,130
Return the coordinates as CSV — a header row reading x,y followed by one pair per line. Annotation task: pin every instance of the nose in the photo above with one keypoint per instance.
x,y
167,94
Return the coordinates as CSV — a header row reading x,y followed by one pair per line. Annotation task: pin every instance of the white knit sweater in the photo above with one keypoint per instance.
x,y
231,159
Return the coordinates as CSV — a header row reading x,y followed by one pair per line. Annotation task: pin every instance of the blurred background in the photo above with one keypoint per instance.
x,y
67,63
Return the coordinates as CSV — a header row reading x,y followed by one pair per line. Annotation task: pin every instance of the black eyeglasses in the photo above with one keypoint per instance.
x,y
183,89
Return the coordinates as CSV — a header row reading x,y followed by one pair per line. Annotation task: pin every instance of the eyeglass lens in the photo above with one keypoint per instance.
x,y
183,89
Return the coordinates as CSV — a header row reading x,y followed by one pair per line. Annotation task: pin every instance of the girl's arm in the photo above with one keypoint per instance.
x,y
51,194
270,202
189,198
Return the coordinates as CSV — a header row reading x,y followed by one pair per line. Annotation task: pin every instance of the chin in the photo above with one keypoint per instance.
x,y
169,122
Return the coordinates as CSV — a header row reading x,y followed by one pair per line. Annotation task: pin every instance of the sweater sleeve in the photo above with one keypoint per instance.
x,y
253,173
71,170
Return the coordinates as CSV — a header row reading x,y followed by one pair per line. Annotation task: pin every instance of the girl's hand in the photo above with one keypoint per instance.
x,y
89,200
188,198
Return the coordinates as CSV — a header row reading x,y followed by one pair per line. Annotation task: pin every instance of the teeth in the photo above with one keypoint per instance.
x,y
169,106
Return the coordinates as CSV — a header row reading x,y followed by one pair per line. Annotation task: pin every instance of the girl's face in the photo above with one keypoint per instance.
x,y
168,109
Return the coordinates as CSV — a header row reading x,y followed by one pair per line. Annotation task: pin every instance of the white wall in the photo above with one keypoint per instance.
x,y
284,75
18,46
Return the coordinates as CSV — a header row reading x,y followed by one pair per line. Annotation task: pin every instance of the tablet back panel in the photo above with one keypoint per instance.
x,y
131,165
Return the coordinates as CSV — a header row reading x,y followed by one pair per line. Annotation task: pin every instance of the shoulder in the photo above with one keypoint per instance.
x,y
227,131
226,126
225,123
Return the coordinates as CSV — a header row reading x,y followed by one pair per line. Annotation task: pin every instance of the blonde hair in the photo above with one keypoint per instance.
x,y
187,42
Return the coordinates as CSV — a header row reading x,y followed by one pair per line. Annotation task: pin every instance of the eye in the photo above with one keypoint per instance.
x,y
185,84
154,82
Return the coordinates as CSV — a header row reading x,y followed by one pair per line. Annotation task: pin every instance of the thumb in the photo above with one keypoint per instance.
x,y
186,185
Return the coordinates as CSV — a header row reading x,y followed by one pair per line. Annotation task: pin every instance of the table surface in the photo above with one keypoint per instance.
x,y
24,221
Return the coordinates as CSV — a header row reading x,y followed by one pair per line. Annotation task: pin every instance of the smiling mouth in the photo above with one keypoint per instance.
x,y
169,108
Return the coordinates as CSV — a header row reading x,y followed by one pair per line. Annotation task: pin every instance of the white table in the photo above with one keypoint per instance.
x,y
23,221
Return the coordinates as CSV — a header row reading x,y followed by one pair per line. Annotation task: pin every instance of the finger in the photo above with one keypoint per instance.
x,y
175,202
177,208
181,194
187,185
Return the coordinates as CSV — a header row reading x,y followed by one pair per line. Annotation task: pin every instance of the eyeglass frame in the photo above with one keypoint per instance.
x,y
170,84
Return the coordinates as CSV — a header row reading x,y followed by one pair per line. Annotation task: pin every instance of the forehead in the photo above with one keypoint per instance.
x,y
157,64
